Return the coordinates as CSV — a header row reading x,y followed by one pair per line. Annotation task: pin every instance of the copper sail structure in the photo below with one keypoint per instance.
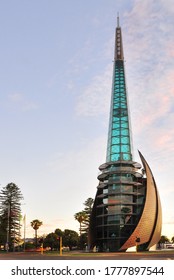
x,y
127,209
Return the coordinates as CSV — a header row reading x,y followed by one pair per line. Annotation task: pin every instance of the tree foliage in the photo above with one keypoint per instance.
x,y
59,232
35,224
10,214
88,205
164,239
52,241
83,217
70,238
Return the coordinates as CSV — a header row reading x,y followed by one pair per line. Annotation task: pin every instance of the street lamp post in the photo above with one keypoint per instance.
x,y
60,245
24,221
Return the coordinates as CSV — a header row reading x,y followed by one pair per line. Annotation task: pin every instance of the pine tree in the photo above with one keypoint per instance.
x,y
88,206
10,214
88,209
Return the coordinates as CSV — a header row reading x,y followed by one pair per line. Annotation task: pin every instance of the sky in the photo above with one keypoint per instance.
x,y
56,60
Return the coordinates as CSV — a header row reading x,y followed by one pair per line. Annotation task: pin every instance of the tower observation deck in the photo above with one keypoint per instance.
x,y
127,206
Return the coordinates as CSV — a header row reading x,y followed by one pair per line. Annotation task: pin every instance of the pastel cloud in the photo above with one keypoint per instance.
x,y
20,101
95,98
148,67
150,71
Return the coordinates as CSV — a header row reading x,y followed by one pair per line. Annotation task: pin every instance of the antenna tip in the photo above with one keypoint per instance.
x,y
117,19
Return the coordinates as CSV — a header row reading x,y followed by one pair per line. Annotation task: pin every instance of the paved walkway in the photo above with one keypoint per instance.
x,y
77,255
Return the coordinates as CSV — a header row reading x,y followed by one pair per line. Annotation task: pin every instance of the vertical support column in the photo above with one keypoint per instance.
x,y
60,245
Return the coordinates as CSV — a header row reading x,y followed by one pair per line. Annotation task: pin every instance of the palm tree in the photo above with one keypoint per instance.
x,y
36,225
81,217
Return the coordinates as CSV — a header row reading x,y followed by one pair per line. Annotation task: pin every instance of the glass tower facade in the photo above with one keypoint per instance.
x,y
119,141
122,190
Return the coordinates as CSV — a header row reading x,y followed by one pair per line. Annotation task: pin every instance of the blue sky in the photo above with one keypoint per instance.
x,y
55,86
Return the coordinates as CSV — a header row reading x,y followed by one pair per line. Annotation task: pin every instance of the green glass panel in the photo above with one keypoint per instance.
x,y
115,132
115,149
119,118
115,140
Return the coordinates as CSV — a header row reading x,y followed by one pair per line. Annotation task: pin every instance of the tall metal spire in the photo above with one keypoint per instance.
x,y
119,140
118,42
